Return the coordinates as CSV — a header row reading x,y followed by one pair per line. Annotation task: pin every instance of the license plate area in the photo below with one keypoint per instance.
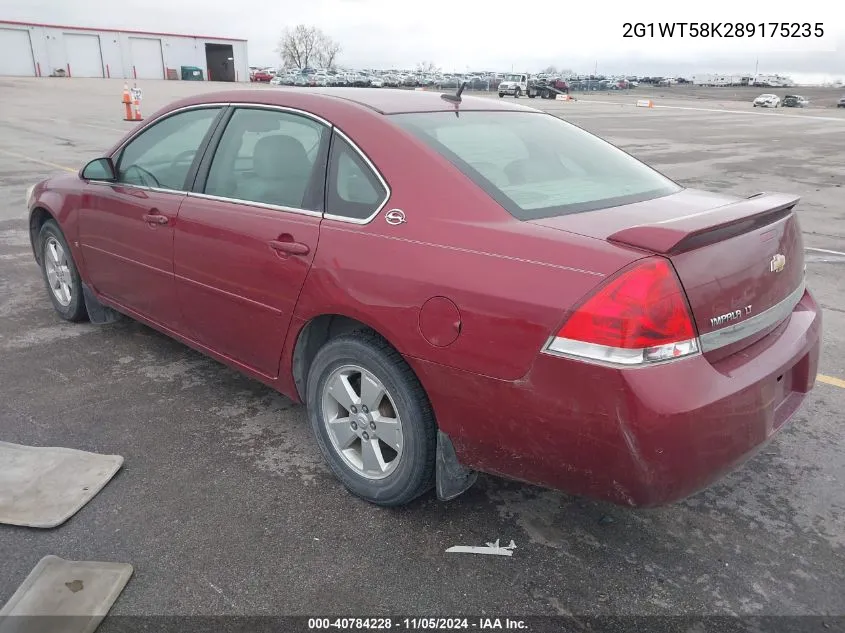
x,y
781,389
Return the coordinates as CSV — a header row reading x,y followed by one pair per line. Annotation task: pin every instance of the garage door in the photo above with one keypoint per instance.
x,y
16,53
147,62
83,55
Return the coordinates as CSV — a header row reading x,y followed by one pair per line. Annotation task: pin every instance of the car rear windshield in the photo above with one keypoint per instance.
x,y
536,165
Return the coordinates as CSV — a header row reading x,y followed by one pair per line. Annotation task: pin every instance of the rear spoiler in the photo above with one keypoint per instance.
x,y
689,232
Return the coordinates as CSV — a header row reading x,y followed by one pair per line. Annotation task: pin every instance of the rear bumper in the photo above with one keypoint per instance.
x,y
639,437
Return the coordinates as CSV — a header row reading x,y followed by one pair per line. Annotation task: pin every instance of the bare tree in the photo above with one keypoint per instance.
x,y
327,51
305,45
427,67
550,70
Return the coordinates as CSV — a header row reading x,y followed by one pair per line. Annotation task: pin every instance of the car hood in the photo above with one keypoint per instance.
x,y
60,181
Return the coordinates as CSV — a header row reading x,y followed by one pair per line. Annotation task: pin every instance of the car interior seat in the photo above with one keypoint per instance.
x,y
281,172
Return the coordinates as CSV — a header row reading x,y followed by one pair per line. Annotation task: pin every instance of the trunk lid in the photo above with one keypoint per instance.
x,y
740,260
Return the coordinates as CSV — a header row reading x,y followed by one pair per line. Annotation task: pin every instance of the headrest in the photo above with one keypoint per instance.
x,y
277,155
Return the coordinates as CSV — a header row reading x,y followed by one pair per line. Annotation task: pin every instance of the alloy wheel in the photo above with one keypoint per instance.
x,y
362,422
59,275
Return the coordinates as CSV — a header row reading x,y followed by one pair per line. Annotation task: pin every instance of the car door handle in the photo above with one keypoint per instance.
x,y
155,218
289,247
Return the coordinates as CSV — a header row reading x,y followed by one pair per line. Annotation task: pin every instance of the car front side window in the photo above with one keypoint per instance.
x,y
162,155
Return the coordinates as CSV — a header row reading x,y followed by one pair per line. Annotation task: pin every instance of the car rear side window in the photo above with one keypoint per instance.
x,y
161,156
268,157
536,165
354,191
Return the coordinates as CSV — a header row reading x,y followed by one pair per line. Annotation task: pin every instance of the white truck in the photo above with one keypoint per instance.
x,y
518,84
514,85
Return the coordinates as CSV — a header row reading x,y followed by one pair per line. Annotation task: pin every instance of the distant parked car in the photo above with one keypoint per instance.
x,y
767,101
376,82
794,101
262,76
841,103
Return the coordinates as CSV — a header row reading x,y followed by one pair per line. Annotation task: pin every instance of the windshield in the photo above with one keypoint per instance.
x,y
513,77
536,165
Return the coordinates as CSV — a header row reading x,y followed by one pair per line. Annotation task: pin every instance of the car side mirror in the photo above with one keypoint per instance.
x,y
100,169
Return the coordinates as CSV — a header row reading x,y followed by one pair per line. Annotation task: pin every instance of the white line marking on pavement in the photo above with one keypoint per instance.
x,y
92,125
753,113
824,250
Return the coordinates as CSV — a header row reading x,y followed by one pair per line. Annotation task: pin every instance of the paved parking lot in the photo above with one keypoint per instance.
x,y
224,505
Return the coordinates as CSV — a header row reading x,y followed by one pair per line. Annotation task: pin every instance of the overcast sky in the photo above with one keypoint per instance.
x,y
486,34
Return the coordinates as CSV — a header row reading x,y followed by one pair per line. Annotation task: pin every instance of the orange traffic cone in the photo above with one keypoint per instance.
x,y
127,103
137,114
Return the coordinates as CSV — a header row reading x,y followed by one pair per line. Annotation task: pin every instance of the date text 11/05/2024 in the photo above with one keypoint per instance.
x,y
724,29
417,624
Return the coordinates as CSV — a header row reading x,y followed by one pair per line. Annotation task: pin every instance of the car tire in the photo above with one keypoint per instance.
x,y
64,286
501,94
346,362
517,93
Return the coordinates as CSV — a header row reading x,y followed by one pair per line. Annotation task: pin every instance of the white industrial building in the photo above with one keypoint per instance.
x,y
42,50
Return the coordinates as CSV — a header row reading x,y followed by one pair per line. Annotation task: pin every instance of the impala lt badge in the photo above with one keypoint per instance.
x,y
395,216
778,263
730,316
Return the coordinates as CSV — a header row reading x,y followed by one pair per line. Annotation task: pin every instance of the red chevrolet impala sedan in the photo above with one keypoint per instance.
x,y
449,285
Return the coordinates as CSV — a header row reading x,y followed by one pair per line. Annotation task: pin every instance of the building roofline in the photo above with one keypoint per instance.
x,y
109,30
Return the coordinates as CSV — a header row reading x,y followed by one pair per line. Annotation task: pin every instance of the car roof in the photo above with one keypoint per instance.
x,y
382,100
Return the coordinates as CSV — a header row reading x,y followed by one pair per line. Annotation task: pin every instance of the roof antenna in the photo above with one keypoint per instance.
x,y
455,98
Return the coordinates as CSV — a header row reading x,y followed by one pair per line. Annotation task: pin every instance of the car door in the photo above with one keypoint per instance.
x,y
126,226
248,232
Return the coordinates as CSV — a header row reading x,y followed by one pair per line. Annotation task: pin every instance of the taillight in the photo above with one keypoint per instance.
x,y
640,317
